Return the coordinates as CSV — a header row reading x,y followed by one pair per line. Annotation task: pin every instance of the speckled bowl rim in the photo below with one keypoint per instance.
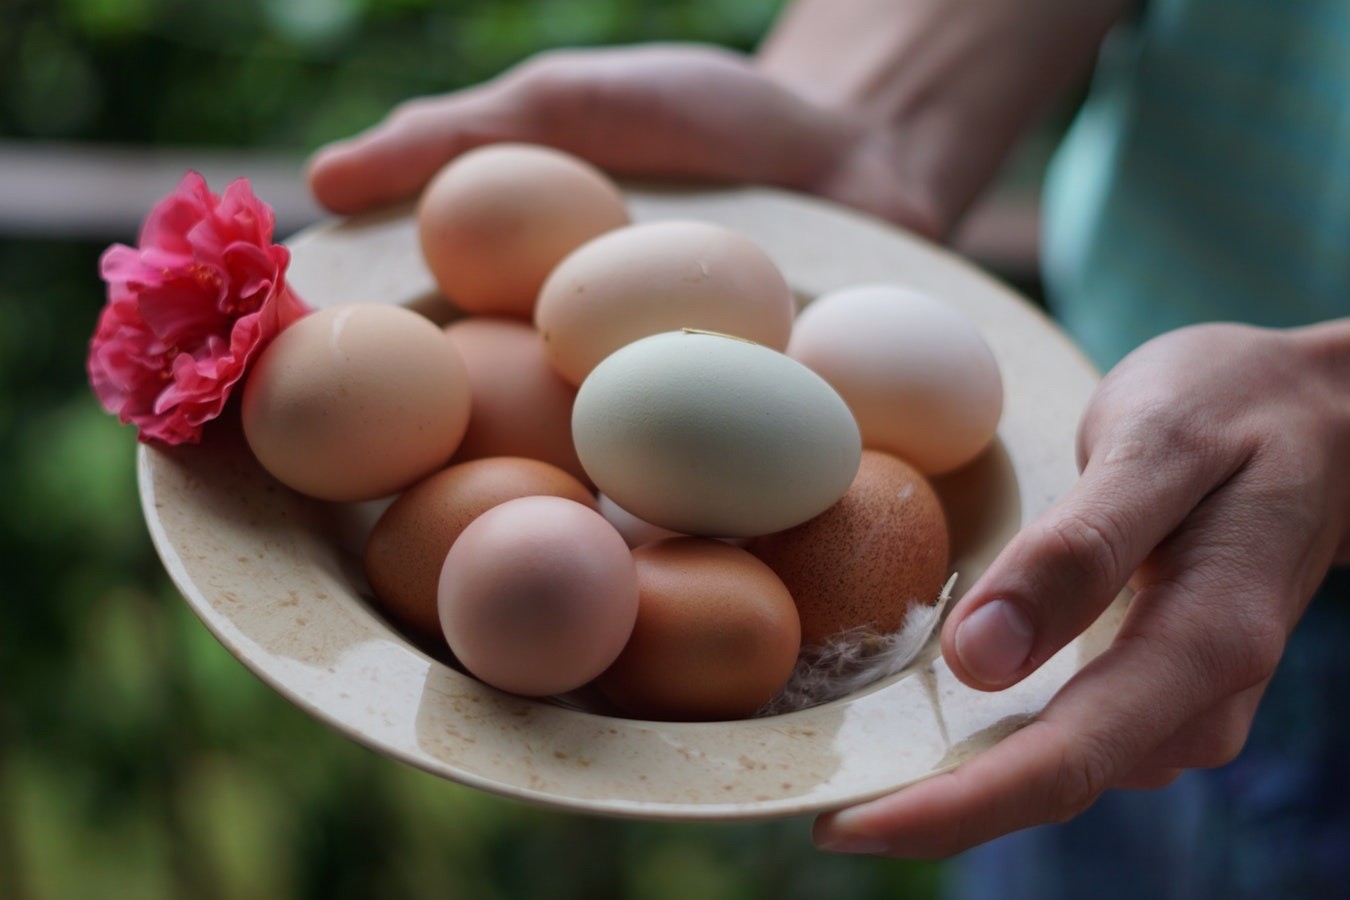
x,y
261,568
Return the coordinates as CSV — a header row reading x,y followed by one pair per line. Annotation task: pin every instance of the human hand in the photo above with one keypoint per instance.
x,y
901,108
1214,479
669,111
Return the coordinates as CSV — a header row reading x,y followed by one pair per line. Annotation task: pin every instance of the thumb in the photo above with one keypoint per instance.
x,y
1061,571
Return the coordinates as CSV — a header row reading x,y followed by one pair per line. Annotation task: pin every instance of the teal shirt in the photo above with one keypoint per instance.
x,y
1208,176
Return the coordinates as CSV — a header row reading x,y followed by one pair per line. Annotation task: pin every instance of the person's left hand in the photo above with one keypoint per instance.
x,y
1214,479
669,111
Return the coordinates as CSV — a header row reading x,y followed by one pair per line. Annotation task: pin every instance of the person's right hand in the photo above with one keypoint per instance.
x,y
660,111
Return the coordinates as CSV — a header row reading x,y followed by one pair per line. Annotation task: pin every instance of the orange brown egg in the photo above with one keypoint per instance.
x,y
869,558
716,636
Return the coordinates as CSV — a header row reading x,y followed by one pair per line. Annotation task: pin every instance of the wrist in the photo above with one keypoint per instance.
x,y
1326,348
942,88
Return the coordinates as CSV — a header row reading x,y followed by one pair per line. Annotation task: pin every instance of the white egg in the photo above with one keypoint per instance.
x,y
917,374
634,530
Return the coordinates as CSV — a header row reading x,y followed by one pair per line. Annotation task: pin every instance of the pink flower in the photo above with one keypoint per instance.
x,y
189,309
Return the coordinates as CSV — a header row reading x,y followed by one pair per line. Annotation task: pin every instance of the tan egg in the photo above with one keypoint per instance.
x,y
716,637
407,547
495,221
538,596
521,407
660,276
866,560
356,402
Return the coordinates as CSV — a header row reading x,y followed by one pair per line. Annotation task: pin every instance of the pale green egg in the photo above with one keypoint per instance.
x,y
712,435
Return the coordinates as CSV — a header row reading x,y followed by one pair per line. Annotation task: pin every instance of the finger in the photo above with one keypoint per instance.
x,y
396,158
678,112
1212,739
1148,778
1059,573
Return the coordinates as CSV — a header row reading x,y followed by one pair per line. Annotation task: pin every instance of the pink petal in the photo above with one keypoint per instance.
x,y
250,218
172,218
120,264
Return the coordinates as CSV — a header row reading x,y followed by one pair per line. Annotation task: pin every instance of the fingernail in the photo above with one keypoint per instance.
x,y
861,846
993,642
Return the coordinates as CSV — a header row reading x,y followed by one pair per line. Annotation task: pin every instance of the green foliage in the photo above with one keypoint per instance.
x,y
294,73
138,759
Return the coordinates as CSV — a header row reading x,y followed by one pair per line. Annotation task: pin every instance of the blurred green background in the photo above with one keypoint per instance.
x,y
137,758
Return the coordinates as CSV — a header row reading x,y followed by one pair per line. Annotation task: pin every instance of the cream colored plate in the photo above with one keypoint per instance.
x,y
277,578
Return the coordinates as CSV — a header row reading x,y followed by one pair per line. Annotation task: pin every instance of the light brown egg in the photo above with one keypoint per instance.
x,y
538,596
356,402
716,635
496,220
521,407
655,277
868,558
407,547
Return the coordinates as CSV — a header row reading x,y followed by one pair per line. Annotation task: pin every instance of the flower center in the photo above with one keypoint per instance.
x,y
206,276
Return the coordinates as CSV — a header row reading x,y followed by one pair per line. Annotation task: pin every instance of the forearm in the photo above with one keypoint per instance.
x,y
955,81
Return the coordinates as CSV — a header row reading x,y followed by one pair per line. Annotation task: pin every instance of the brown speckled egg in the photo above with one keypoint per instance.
x,y
521,407
866,560
407,547
716,635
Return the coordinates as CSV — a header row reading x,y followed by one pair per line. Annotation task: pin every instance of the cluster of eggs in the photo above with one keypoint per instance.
x,y
632,464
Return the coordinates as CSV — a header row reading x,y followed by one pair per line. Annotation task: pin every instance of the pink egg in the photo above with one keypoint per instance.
x,y
538,596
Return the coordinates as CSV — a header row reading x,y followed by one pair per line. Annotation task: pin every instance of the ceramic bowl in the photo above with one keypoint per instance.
x,y
277,577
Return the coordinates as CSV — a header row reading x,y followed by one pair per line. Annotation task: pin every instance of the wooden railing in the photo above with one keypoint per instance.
x,y
101,192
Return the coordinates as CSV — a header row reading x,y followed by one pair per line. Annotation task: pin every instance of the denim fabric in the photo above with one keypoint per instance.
x,y
1274,823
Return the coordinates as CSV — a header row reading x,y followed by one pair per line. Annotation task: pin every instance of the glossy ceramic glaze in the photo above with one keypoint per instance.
x,y
277,577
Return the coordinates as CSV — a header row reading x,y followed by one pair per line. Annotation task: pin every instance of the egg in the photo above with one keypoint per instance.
x,y
356,402
921,380
655,277
868,558
521,407
495,221
407,547
538,596
716,636
711,435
